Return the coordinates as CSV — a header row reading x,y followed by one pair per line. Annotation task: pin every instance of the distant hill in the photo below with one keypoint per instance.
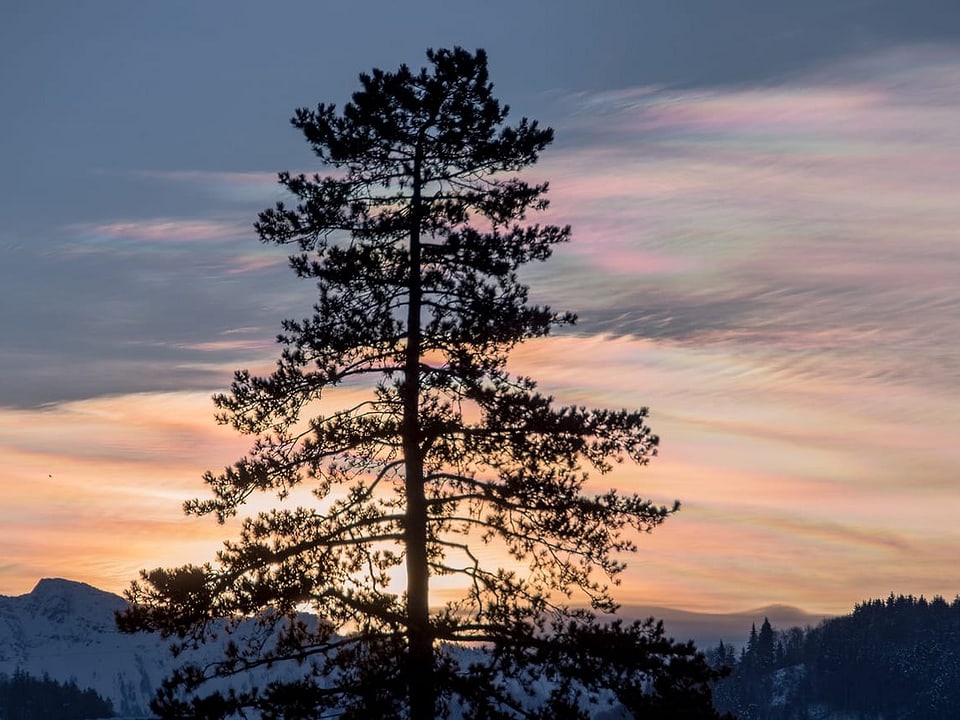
x,y
709,629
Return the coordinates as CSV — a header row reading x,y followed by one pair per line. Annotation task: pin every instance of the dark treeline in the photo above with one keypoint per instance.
x,y
895,659
24,697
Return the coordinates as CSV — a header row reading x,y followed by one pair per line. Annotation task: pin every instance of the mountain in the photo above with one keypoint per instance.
x,y
66,629
708,629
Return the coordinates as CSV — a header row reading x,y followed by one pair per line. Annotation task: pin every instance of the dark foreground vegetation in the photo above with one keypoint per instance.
x,y
24,697
895,659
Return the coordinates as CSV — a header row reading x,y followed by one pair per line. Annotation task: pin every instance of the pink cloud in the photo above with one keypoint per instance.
x,y
244,263
812,421
164,230
222,345
773,110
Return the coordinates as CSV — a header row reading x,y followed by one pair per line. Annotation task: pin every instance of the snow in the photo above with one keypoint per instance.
x,y
66,630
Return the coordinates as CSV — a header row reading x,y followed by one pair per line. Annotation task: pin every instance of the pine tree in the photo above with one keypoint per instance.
x,y
24,697
765,647
414,241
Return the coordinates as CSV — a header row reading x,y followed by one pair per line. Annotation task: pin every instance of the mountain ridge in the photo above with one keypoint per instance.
x,y
708,629
780,614
66,629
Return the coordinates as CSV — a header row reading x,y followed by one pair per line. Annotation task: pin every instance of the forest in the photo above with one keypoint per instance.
x,y
24,697
895,659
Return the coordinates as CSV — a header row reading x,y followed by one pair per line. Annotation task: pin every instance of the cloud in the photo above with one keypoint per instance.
x,y
797,480
264,181
160,230
123,315
769,216
771,269
815,218
79,475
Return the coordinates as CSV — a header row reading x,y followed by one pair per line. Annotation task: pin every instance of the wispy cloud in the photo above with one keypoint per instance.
x,y
212,177
119,467
825,476
773,270
237,187
816,217
162,230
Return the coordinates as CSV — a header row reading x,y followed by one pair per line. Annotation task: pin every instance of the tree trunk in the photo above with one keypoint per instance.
x,y
420,684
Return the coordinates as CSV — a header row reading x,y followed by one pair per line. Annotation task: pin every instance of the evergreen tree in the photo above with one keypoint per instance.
x,y
751,649
765,647
24,697
414,241
898,658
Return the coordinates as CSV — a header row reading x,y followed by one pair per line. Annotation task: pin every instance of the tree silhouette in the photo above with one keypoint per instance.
x,y
893,658
414,241
765,647
24,697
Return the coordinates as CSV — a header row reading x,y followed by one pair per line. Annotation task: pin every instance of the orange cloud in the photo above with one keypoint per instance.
x,y
771,270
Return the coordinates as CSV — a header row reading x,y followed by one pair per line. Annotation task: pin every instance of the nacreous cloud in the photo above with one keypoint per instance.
x,y
815,220
773,270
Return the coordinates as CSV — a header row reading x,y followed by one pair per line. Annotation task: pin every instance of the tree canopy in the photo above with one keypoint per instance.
x,y
24,697
414,240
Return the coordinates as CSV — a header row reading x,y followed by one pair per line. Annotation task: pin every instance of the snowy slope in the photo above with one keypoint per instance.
x,y
66,629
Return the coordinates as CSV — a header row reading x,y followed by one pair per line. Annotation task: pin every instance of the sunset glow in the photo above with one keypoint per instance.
x,y
773,269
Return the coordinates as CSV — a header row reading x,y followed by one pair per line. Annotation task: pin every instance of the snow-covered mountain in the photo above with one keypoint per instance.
x,y
66,629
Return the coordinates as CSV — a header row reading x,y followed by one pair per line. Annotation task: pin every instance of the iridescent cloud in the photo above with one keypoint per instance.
x,y
818,218
204,241
773,270
811,300
236,186
162,230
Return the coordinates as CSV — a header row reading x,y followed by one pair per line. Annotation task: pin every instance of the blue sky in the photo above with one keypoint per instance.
x,y
765,251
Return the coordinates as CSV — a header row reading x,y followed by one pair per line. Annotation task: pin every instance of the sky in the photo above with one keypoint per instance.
x,y
766,252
